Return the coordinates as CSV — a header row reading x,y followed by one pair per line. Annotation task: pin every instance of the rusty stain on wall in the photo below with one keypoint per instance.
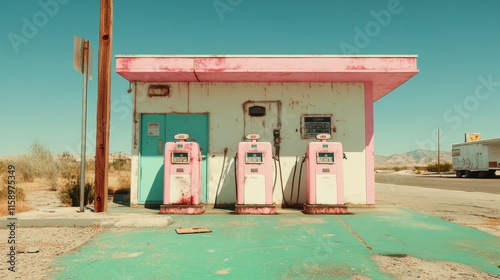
x,y
293,104
208,97
135,117
188,96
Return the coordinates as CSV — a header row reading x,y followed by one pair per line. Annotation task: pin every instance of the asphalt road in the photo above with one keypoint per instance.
x,y
445,182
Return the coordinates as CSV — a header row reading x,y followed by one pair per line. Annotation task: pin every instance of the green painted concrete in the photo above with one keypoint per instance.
x,y
427,237
287,246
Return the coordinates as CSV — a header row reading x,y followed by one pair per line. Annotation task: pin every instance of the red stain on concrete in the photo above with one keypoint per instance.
x,y
325,209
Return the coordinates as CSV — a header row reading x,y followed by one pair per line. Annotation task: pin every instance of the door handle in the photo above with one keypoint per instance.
x,y
160,146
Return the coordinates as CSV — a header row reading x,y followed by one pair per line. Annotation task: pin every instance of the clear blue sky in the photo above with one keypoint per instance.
x,y
457,41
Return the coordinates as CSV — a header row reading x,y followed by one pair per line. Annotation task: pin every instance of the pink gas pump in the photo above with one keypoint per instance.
x,y
254,177
182,177
324,177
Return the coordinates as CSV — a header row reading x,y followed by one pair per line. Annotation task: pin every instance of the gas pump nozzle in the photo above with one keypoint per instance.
x,y
276,134
277,141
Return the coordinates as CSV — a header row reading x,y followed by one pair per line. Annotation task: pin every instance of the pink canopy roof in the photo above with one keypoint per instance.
x,y
385,72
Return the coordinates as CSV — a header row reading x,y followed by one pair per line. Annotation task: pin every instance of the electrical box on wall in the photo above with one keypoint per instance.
x,y
314,124
263,117
257,111
158,90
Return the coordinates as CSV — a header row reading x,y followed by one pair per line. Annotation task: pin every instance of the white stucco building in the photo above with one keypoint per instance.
x,y
220,99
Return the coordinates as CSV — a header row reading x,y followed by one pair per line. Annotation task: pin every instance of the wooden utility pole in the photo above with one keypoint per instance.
x,y
103,106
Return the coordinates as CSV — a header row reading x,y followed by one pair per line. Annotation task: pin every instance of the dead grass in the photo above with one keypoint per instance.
x,y
39,175
119,191
21,206
118,182
38,184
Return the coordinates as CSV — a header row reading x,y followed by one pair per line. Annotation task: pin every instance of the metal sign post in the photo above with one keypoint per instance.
x,y
81,64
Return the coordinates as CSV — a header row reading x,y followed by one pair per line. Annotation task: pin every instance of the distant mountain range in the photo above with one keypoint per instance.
x,y
414,158
410,159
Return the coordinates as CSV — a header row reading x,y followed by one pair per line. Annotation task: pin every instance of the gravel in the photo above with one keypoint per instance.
x,y
50,242
473,209
413,268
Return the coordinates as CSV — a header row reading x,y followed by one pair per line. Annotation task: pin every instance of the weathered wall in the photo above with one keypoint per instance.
x,y
224,103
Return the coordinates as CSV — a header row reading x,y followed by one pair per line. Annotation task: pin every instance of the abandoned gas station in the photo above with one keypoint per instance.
x,y
287,100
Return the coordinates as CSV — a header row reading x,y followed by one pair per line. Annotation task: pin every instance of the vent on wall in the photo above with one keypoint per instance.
x,y
257,111
159,90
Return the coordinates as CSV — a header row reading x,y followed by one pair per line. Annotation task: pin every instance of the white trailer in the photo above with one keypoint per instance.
x,y
476,159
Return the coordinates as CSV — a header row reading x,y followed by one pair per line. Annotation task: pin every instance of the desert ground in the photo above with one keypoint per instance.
x,y
474,209
49,241
472,202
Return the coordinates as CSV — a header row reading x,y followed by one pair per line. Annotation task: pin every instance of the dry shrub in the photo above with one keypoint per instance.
x,y
122,191
443,167
44,164
124,181
398,168
41,164
70,192
25,172
21,204
38,164
4,168
90,164
123,185
70,170
4,194
68,166
120,164
419,169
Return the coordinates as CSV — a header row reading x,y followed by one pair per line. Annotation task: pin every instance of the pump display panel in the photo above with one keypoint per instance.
x,y
324,158
253,158
180,157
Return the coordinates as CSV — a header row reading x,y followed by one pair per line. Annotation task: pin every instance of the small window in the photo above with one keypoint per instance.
x,y
455,152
